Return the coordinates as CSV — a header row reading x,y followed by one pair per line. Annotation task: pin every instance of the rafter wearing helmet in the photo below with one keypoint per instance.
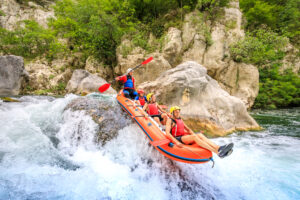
x,y
155,110
128,81
140,99
179,133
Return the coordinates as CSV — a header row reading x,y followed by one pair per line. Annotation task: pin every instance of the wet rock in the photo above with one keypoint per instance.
x,y
12,74
106,112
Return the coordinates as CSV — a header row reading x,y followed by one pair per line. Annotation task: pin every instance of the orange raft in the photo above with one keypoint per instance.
x,y
188,154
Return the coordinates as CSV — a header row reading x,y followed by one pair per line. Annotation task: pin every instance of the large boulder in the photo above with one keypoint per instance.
x,y
205,105
12,73
84,82
105,112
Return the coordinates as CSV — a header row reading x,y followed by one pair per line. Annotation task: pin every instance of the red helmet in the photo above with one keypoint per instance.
x,y
141,91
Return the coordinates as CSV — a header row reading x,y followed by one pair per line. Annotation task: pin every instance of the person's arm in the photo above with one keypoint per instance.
x,y
121,78
169,135
145,107
133,83
136,100
190,131
161,109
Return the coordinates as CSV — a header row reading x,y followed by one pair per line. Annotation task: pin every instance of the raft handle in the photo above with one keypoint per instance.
x,y
171,144
213,162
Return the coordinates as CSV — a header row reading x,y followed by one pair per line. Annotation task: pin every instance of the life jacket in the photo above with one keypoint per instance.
x,y
142,100
152,109
178,129
129,83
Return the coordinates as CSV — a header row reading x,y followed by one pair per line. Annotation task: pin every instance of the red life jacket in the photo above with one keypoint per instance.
x,y
178,129
142,100
152,109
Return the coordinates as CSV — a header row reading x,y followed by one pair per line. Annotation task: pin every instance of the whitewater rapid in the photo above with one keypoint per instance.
x,y
47,152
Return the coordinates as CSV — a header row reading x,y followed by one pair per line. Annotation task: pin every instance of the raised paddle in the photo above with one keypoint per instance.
x,y
105,86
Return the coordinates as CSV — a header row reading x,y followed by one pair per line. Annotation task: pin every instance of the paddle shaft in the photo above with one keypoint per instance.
x,y
132,69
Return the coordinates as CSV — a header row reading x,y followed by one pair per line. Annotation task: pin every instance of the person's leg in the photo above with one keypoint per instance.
x,y
208,141
189,139
126,93
135,93
132,93
164,117
157,120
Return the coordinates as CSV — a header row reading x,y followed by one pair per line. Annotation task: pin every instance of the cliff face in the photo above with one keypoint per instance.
x,y
205,42
14,12
199,39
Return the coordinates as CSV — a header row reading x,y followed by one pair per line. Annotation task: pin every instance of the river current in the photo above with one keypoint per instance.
x,y
41,157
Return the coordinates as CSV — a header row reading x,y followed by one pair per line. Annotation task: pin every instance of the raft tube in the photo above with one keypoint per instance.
x,y
188,154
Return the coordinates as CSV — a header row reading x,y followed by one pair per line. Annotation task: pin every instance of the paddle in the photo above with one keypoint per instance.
x,y
105,86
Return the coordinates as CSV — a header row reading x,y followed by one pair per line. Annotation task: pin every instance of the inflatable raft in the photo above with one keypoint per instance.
x,y
188,154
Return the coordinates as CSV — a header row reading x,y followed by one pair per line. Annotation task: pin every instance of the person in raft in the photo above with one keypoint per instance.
x,y
180,134
128,82
141,98
153,109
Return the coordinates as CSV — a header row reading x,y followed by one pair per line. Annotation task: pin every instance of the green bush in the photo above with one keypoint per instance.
x,y
277,90
259,47
94,27
30,41
265,49
283,16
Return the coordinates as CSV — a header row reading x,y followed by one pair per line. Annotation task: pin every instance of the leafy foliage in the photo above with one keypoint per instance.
x,y
265,49
283,16
277,89
30,41
259,47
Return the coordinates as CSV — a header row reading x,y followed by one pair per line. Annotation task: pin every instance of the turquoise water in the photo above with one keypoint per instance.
x,y
265,164
41,158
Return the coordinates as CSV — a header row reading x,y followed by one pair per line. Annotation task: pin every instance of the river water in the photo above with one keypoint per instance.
x,y
42,158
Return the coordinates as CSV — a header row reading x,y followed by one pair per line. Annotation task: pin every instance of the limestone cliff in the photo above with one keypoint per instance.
x,y
205,42
13,13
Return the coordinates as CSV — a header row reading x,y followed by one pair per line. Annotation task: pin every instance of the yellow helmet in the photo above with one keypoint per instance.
x,y
149,96
172,109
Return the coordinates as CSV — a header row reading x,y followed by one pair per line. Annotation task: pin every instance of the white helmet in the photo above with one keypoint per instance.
x,y
129,70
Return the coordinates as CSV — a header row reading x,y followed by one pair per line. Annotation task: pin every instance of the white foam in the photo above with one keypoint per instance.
x,y
33,166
